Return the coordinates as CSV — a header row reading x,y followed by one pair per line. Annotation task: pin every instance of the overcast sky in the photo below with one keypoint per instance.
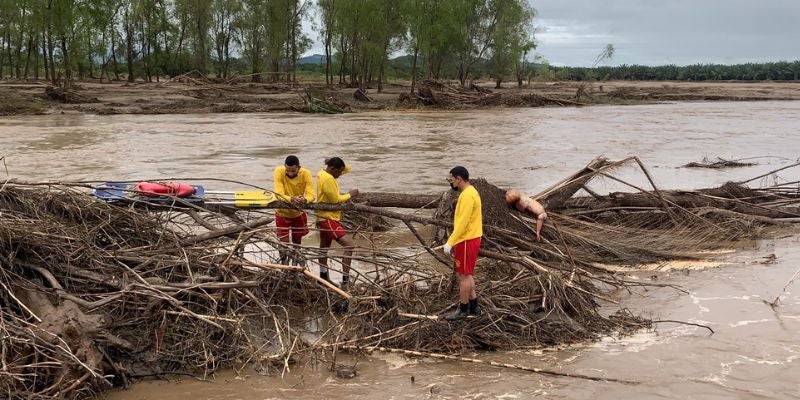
x,y
658,32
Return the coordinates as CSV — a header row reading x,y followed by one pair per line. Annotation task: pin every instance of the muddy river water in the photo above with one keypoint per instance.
x,y
754,354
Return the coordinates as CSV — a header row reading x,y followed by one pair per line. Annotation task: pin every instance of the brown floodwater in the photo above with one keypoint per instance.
x,y
754,354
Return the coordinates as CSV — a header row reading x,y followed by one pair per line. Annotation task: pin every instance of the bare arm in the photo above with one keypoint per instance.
x,y
536,208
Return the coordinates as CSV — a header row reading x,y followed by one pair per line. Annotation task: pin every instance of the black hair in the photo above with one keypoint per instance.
x,y
335,162
292,161
460,172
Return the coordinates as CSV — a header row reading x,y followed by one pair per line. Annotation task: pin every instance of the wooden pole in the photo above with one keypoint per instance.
x,y
304,271
485,362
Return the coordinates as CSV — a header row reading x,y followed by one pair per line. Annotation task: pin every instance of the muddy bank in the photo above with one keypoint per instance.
x,y
192,96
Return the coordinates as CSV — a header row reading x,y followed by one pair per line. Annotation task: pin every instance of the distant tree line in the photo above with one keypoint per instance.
x,y
65,40
146,39
783,70
262,40
450,36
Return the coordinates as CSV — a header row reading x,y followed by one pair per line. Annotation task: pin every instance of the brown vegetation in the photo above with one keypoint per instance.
x,y
14,104
719,163
188,94
94,295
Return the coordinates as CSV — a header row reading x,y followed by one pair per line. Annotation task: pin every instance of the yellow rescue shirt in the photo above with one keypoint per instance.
x,y
286,188
468,220
328,192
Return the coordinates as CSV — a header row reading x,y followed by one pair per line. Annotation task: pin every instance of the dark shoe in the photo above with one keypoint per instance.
x,y
325,276
341,306
461,313
474,308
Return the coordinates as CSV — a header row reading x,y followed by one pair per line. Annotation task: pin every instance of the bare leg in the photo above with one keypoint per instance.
x,y
283,253
472,294
464,288
347,259
324,245
296,256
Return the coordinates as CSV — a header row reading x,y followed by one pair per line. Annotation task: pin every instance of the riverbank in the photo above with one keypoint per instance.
x,y
190,96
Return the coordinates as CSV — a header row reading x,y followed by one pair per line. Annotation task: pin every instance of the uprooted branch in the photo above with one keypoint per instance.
x,y
93,295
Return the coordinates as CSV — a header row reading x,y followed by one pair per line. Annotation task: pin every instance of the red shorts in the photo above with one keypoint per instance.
x,y
297,225
330,229
466,254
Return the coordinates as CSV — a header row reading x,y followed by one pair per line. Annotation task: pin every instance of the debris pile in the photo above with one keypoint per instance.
x,y
440,94
94,295
719,163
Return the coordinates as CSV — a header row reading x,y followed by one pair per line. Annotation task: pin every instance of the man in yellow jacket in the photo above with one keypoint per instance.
x,y
293,184
465,241
330,229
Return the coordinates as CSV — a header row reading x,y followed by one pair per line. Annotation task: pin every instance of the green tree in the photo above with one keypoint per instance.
x,y
476,21
252,32
224,16
512,39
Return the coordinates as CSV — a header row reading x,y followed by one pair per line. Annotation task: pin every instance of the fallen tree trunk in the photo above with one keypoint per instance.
x,y
399,200
554,196
360,95
698,199
66,95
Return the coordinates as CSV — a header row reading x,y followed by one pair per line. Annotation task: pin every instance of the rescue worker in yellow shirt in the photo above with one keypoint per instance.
x,y
293,184
330,229
465,241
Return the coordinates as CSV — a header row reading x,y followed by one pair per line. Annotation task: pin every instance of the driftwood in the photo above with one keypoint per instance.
x,y
151,291
724,198
328,105
440,94
360,95
196,304
399,200
485,362
67,95
479,89
719,163
194,77
554,196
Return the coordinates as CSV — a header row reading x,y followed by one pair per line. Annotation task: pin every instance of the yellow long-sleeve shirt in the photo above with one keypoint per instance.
x,y
286,188
328,192
468,220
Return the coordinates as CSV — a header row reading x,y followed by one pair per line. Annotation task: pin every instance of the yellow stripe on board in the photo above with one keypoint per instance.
x,y
254,198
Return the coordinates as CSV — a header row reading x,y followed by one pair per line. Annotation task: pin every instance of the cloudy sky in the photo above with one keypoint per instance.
x,y
656,32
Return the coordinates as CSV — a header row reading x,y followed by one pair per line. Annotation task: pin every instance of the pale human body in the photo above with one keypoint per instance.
x,y
525,204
